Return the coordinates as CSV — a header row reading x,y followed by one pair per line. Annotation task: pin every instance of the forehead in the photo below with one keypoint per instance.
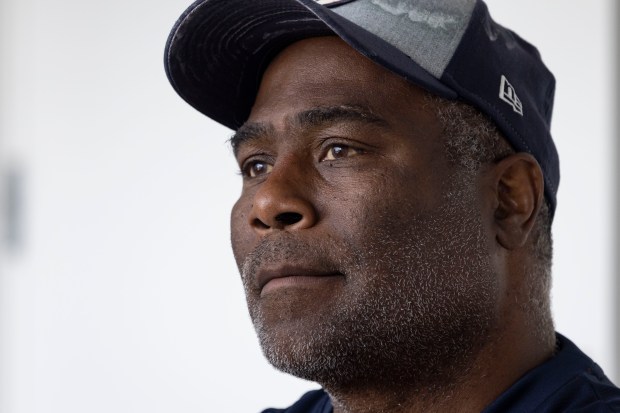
x,y
325,72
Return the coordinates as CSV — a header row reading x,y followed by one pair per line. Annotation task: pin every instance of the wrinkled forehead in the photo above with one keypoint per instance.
x,y
326,72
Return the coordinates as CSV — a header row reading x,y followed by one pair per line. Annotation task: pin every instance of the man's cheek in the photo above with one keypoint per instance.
x,y
241,235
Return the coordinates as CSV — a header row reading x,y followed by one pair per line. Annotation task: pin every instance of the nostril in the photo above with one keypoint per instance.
x,y
260,224
288,218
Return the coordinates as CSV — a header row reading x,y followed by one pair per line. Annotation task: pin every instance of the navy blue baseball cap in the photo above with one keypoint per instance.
x,y
218,51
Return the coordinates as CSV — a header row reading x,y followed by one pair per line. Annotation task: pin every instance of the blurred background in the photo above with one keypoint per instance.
x,y
118,290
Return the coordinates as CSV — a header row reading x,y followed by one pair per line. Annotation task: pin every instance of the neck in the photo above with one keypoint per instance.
x,y
497,365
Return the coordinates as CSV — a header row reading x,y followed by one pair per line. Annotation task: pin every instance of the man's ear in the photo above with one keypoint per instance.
x,y
519,188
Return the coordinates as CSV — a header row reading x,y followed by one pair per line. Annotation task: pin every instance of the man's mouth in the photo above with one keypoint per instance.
x,y
288,276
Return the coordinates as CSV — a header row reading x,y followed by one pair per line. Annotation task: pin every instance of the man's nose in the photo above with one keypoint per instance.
x,y
283,201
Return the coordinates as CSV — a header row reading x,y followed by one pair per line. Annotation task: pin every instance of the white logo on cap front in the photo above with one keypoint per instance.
x,y
508,94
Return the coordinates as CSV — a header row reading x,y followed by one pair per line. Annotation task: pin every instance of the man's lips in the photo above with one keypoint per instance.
x,y
287,276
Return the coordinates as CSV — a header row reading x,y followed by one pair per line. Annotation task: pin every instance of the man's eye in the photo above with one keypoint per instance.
x,y
256,168
340,151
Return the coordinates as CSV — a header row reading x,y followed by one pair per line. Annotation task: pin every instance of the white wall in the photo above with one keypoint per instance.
x,y
122,295
576,41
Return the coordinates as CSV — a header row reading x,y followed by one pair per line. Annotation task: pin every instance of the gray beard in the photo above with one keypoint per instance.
x,y
420,304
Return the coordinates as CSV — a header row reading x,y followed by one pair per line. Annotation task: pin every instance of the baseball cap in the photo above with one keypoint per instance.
x,y
218,51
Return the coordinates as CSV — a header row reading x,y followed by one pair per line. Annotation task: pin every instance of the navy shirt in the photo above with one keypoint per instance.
x,y
568,382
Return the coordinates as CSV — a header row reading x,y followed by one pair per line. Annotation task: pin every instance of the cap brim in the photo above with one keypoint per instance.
x,y
218,51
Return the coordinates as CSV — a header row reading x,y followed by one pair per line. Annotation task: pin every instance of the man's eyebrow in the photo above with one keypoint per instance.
x,y
319,116
329,114
248,132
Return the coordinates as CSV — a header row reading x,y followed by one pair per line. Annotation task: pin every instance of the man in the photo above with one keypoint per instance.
x,y
399,184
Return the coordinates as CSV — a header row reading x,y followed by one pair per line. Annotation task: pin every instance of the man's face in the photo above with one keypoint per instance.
x,y
361,248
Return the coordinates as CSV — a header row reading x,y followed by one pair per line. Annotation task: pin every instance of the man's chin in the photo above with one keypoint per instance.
x,y
300,351
327,346
299,337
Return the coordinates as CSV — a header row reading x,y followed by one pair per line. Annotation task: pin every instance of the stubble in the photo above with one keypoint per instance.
x,y
418,304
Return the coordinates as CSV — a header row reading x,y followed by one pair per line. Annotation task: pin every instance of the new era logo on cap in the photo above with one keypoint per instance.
x,y
508,94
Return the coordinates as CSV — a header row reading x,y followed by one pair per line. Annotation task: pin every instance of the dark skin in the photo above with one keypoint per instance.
x,y
335,144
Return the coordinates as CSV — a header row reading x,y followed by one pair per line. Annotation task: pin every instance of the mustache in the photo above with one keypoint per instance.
x,y
322,255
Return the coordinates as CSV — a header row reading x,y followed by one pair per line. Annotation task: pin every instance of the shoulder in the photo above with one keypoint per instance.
x,y
568,382
315,401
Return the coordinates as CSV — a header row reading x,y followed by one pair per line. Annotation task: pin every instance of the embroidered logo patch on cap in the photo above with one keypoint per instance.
x,y
508,94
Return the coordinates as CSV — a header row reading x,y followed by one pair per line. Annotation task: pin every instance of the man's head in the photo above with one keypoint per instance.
x,y
387,233
366,250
